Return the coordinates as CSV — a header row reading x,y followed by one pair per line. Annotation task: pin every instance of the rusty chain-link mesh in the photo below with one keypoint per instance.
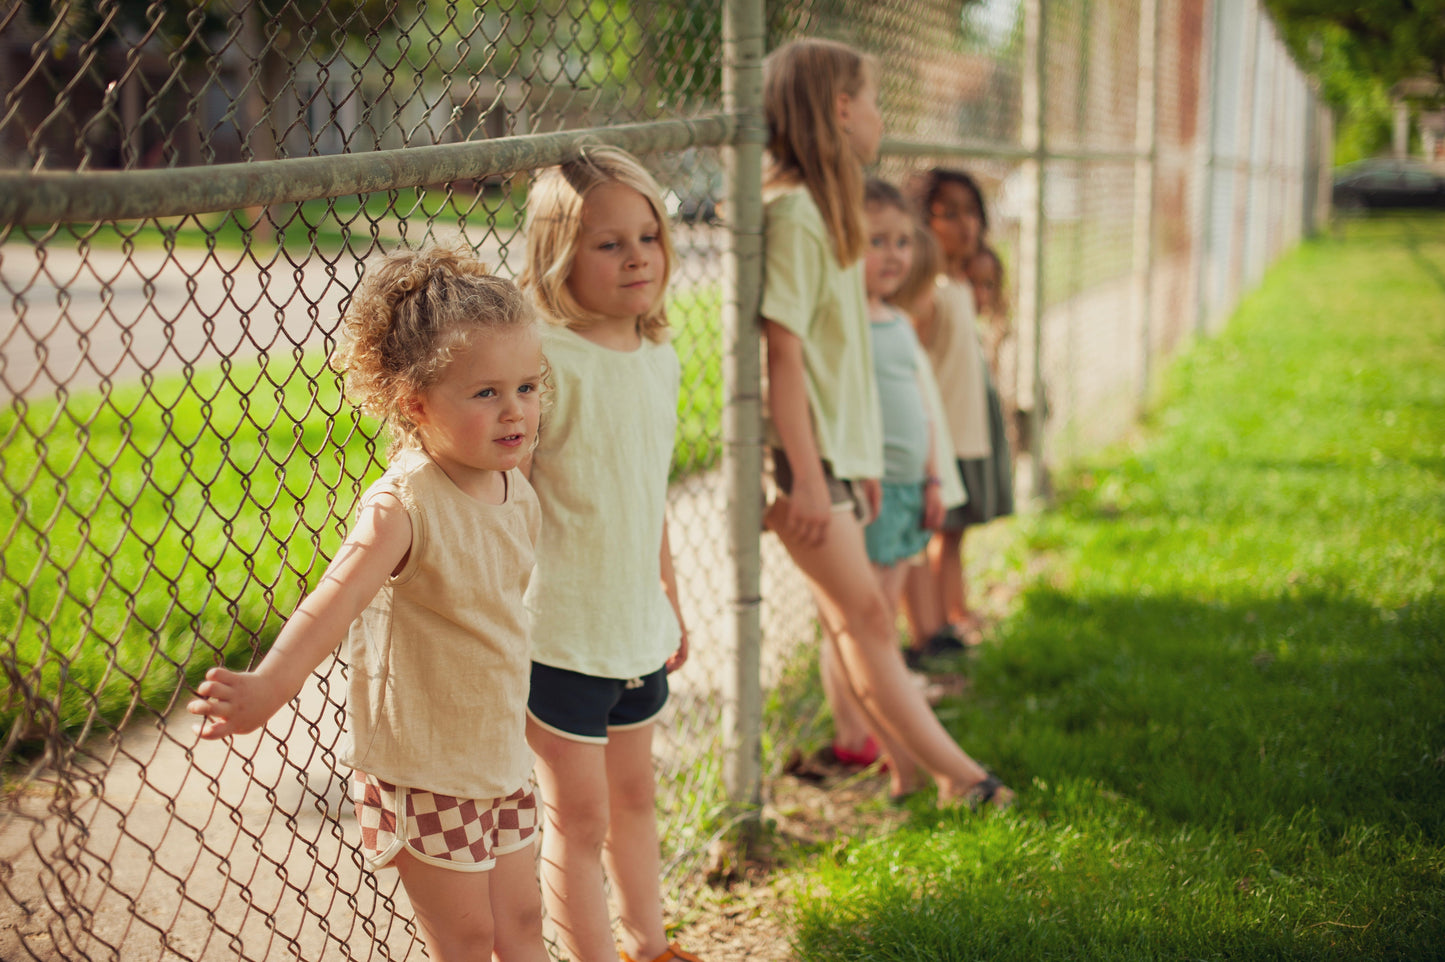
x,y
179,464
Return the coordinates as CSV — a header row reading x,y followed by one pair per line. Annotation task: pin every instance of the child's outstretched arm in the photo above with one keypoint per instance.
x,y
234,703
669,586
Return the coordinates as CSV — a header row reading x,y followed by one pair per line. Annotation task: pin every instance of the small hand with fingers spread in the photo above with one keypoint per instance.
x,y
234,703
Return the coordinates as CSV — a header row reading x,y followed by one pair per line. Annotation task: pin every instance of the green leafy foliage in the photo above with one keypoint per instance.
x,y
1388,39
1357,52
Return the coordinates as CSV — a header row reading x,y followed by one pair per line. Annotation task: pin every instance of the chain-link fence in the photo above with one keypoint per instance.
x,y
187,194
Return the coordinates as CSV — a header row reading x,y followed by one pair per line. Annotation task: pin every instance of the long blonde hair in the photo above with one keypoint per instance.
x,y
554,220
801,83
412,311
918,286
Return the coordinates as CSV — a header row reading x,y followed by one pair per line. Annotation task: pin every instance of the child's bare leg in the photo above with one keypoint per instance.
x,y
851,601
572,777
945,556
890,582
923,604
517,908
453,909
903,774
851,726
633,860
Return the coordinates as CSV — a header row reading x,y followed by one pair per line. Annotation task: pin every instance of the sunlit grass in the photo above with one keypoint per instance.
x,y
1220,698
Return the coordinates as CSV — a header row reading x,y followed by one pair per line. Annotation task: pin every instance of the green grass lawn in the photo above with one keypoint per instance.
x,y
165,526
1221,698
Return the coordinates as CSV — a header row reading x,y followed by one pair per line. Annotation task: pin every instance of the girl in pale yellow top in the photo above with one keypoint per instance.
x,y
603,612
821,102
951,204
427,590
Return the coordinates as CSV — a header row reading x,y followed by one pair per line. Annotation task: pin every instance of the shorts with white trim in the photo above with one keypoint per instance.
x,y
462,834
585,708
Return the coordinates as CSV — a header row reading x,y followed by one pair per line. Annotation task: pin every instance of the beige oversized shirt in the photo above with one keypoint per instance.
x,y
438,663
806,291
957,357
596,603
951,489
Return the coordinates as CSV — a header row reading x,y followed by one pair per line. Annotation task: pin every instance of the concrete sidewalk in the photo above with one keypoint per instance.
x,y
213,851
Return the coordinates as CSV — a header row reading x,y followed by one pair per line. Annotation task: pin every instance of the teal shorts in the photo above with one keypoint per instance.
x,y
897,534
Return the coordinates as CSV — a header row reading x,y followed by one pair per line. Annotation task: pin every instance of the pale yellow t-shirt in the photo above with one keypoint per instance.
x,y
438,663
806,291
951,488
596,603
957,357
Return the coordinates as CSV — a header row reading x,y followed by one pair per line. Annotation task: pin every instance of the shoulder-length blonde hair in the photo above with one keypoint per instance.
x,y
922,276
801,84
554,221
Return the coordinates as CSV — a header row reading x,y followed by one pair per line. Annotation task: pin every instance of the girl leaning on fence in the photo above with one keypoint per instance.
x,y
605,623
821,102
426,591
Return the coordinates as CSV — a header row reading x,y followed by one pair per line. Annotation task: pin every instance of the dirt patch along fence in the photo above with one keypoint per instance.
x,y
187,195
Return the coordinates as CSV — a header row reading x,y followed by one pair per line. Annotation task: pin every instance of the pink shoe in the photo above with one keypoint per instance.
x,y
861,758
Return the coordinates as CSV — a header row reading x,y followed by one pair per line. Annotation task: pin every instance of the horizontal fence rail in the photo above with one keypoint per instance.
x,y
47,197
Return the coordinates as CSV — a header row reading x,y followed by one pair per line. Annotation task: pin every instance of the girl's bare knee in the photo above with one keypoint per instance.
x,y
635,796
580,827
868,620
518,927
466,938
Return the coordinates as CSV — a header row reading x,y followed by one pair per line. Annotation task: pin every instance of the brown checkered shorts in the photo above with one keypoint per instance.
x,y
464,834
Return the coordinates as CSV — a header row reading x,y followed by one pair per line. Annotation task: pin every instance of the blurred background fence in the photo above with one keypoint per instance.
x,y
188,191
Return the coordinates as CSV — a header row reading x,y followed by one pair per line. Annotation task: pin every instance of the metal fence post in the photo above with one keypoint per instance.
x,y
1146,142
744,28
1210,89
1031,227
1241,219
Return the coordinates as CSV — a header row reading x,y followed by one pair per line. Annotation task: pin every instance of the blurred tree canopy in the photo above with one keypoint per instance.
x,y
1358,50
179,24
1391,40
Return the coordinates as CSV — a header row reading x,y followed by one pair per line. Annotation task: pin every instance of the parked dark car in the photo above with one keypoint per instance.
x,y
1388,185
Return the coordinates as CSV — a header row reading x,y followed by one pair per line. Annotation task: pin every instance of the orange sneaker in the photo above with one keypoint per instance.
x,y
671,954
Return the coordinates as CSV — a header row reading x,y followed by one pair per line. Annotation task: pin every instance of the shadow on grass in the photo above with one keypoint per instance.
x,y
1238,711
1252,779
944,929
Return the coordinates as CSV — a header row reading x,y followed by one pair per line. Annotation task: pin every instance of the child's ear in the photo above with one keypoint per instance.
x,y
414,407
843,110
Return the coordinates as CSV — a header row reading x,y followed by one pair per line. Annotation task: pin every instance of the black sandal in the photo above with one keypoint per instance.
x,y
944,644
983,793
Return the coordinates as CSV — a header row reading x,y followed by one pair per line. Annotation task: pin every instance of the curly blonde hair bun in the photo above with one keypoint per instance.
x,y
412,310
